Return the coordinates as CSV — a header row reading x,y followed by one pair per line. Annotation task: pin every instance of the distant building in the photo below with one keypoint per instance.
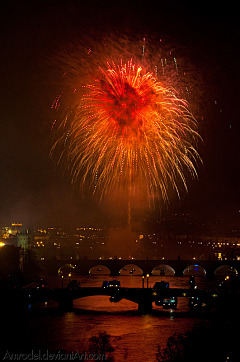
x,y
8,231
23,244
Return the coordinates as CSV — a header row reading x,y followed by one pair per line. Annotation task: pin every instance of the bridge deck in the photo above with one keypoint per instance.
x,y
126,293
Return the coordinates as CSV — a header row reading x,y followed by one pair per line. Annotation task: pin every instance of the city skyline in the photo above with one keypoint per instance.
x,y
33,189
89,243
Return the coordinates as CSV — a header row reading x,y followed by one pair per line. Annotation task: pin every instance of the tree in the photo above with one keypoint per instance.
x,y
218,342
101,345
174,351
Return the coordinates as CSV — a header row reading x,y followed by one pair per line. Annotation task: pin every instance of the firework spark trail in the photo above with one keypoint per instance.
x,y
131,133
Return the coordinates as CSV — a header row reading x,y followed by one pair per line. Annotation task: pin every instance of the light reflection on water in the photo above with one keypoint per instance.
x,y
135,337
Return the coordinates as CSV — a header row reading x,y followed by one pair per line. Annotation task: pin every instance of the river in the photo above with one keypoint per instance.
x,y
134,337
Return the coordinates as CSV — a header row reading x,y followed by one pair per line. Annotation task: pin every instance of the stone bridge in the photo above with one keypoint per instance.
x,y
83,267
144,297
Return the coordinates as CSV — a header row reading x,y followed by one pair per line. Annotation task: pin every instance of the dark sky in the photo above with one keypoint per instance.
x,y
33,32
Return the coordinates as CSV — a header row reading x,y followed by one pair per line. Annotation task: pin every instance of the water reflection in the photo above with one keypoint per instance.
x,y
101,303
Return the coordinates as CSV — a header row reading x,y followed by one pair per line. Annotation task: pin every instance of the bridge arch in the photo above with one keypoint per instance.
x,y
65,269
163,269
100,302
195,270
100,270
131,269
225,270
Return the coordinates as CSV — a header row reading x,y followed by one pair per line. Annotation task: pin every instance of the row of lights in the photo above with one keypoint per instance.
x,y
143,278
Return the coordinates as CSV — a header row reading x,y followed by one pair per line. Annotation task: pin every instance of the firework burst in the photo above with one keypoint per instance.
x,y
130,133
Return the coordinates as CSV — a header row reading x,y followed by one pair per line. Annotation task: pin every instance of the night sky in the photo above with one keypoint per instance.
x,y
32,189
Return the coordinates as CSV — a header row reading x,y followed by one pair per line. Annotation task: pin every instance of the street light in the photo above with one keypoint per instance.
x,y
147,279
62,281
143,281
69,276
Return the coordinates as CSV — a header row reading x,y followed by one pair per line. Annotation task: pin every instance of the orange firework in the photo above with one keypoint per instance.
x,y
131,133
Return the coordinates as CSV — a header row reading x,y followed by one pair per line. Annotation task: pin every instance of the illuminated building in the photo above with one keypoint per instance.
x,y
7,231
